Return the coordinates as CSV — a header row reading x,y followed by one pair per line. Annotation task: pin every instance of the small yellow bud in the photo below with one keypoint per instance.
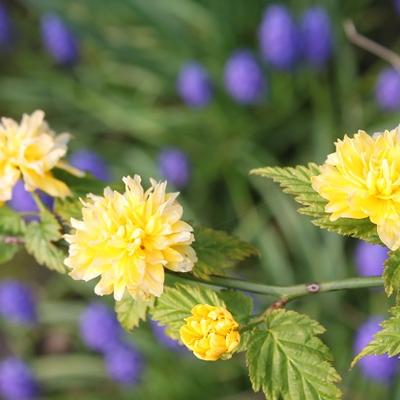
x,y
211,332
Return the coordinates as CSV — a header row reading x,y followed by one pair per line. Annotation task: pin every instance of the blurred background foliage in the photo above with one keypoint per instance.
x,y
118,97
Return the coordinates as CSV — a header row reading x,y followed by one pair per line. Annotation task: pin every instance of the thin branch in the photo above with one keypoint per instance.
x,y
284,294
12,240
367,44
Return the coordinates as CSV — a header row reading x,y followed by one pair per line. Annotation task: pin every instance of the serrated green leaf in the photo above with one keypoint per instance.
x,y
287,360
217,251
297,182
11,222
130,312
385,341
7,251
239,305
176,304
391,273
39,238
68,208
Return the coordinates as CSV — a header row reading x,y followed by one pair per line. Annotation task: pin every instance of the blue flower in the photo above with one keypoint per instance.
x,y
6,27
17,381
396,4
17,304
279,37
317,40
370,258
58,40
244,78
91,162
194,85
124,364
379,368
387,90
163,338
99,327
174,167
22,200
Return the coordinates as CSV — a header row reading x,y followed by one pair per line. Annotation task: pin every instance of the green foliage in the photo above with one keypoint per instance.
x,y
297,182
239,305
68,208
391,273
130,312
39,238
176,304
386,341
287,360
11,223
216,251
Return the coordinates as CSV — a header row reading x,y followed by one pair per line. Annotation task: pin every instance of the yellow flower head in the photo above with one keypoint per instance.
x,y
128,239
362,180
210,332
30,148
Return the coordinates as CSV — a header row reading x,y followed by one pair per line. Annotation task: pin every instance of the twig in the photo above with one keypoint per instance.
x,y
367,44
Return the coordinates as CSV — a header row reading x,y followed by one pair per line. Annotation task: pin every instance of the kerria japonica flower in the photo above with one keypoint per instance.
x,y
194,85
210,332
59,40
244,78
316,34
387,90
129,239
99,327
380,368
174,166
91,162
370,258
31,149
279,37
17,381
362,180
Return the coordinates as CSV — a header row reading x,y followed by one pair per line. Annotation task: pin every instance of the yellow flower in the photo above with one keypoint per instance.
x,y
30,148
362,180
128,239
211,332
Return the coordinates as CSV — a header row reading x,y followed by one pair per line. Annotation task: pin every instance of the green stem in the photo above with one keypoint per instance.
x,y
284,293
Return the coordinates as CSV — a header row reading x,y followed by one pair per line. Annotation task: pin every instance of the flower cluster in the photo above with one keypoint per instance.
x,y
210,332
128,239
362,180
31,149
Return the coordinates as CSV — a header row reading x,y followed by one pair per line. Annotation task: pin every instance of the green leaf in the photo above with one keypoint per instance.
x,y
391,273
39,238
68,208
216,251
287,360
11,222
176,304
239,305
130,312
7,251
297,182
386,341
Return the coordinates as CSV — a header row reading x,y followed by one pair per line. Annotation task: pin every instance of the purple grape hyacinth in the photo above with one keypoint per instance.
x,y
164,339
370,258
22,200
99,327
396,4
380,368
194,85
91,162
387,90
279,37
244,78
59,40
17,381
124,364
174,167
17,304
6,27
316,33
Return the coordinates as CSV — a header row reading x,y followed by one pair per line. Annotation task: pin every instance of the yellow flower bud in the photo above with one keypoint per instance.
x,y
211,332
